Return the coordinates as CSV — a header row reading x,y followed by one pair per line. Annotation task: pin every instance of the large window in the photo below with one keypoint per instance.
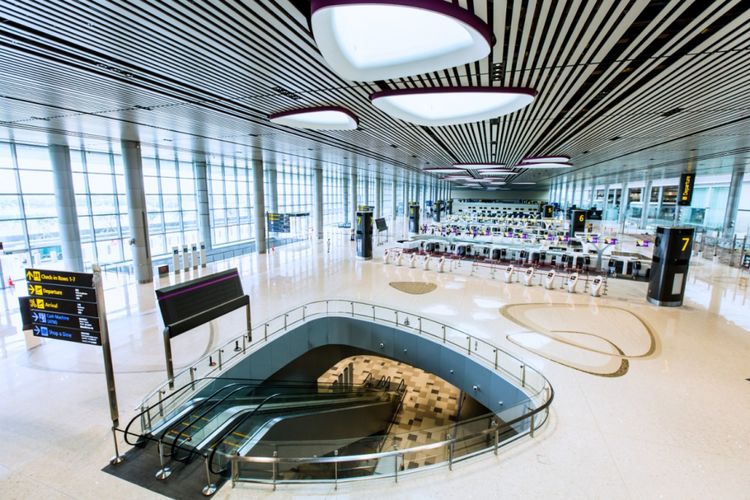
x,y
99,184
334,197
230,187
169,185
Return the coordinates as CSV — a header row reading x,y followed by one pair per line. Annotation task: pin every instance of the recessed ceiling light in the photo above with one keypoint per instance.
x,y
368,40
523,183
479,166
547,159
320,118
544,165
451,105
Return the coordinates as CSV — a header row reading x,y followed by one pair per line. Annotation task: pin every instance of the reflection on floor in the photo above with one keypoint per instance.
x,y
430,404
414,287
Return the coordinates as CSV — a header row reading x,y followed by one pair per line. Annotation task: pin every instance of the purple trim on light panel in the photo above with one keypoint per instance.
x,y
485,166
314,109
196,287
439,6
533,165
454,90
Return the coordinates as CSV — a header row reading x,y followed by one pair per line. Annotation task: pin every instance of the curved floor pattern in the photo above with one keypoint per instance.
x,y
414,287
582,337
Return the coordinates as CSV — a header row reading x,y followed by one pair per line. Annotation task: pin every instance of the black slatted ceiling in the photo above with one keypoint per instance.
x,y
206,74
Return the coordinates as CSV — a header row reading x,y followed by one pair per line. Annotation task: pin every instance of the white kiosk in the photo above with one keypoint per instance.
x,y
549,280
572,282
509,274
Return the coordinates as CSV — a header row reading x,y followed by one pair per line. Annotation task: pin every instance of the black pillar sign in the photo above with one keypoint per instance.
x,y
687,182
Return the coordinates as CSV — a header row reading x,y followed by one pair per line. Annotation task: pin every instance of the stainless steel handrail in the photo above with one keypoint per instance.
x,y
307,317
348,308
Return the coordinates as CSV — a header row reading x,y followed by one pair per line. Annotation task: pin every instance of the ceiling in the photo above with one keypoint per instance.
x,y
628,89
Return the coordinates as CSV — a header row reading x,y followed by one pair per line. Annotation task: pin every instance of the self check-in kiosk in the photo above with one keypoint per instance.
x,y
669,265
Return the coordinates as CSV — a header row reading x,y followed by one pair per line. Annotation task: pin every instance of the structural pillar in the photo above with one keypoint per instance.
x,y
645,201
733,201
318,199
353,192
201,192
137,215
261,243
378,198
273,194
394,201
347,211
67,215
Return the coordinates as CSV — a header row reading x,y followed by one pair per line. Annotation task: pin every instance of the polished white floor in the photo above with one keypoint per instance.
x,y
674,426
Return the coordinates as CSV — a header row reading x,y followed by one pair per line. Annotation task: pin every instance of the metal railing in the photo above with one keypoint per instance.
x,y
512,422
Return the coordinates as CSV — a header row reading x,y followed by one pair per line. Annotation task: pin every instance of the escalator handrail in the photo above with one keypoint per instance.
x,y
233,428
195,420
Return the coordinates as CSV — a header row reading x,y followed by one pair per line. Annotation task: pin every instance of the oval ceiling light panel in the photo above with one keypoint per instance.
x,y
544,165
434,107
547,159
478,166
320,118
368,40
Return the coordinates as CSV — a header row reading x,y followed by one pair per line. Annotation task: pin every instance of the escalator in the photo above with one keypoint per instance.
x,y
244,417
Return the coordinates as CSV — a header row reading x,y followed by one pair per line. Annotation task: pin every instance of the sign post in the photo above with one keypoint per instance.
x,y
70,306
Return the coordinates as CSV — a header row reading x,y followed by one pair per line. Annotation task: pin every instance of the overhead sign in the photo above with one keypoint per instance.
x,y
63,306
685,196
278,223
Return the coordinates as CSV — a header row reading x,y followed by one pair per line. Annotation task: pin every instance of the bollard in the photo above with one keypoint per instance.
x,y
165,471
237,347
211,361
210,487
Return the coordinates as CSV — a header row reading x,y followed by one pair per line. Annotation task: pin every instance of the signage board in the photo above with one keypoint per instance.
x,y
381,225
63,305
278,223
685,194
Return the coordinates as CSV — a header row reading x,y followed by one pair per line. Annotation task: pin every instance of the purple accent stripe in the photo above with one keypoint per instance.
x,y
196,287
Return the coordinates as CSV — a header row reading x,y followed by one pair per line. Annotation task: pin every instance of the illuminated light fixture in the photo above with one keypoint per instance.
x,y
495,174
544,165
445,170
546,159
478,166
368,40
523,183
451,105
320,118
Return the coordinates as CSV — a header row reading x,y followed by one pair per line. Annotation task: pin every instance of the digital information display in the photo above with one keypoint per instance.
x,y
278,223
63,306
200,299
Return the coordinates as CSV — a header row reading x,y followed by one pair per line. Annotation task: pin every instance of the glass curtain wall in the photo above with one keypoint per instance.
x,y
231,201
334,199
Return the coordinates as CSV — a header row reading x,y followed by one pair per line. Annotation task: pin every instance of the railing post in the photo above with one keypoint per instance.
x,y
523,375
396,312
373,314
335,471
220,351
234,472
497,435
450,452
531,426
304,310
495,358
265,333
117,459
192,378
161,407
420,325
148,416
395,463
352,304
274,469
210,487
165,471
285,318
443,334
326,308
244,344
469,346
